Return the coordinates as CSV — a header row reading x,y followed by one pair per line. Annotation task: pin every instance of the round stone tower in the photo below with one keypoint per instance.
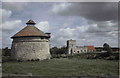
x,y
30,43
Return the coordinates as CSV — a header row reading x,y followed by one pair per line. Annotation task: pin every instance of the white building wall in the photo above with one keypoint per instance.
x,y
81,50
73,49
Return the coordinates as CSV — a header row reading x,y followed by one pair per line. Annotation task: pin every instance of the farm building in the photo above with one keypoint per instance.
x,y
30,43
73,49
90,48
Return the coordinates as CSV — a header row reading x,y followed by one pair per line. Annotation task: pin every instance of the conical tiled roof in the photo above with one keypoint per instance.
x,y
30,31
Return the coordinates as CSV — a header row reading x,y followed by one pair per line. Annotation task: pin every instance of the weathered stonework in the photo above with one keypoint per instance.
x,y
71,45
30,44
29,48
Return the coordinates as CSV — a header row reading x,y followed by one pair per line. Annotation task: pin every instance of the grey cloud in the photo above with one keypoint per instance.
x,y
101,11
104,29
90,36
83,35
14,6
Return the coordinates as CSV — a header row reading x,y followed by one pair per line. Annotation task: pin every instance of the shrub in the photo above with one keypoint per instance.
x,y
37,59
28,60
110,58
69,56
20,60
7,59
56,56
16,73
87,56
32,59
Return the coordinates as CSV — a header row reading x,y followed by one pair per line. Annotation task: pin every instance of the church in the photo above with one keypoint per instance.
x,y
73,49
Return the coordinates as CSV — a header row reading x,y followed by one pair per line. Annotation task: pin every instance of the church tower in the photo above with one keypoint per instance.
x,y
71,45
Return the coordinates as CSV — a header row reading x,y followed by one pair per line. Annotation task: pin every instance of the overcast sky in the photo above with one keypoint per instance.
x,y
89,23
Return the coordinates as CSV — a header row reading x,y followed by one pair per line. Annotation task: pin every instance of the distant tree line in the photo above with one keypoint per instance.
x,y
56,50
62,53
63,50
6,51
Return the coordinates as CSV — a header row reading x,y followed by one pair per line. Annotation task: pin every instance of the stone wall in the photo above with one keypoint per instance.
x,y
30,49
71,45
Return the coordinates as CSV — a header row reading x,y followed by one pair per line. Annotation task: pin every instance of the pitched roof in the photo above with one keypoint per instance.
x,y
29,31
90,47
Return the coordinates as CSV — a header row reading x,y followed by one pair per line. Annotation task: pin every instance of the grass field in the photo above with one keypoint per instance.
x,y
63,67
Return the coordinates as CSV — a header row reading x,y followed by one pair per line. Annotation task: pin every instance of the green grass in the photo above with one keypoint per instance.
x,y
63,67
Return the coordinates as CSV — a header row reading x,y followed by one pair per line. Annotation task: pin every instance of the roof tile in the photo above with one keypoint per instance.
x,y
90,47
29,31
